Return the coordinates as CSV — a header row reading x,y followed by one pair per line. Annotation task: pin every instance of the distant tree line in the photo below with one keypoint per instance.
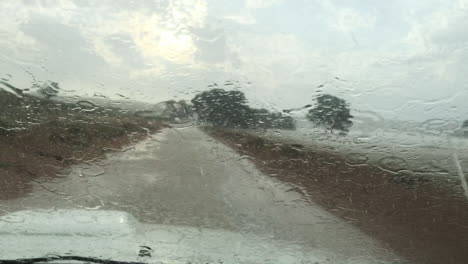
x,y
224,108
262,118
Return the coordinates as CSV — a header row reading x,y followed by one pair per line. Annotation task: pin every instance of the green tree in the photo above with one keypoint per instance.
x,y
184,109
332,113
281,121
262,118
223,108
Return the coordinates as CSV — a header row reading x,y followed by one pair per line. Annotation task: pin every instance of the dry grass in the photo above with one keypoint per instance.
x,y
45,150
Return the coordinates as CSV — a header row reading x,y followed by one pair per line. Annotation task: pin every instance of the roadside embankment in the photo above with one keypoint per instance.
x,y
41,138
420,218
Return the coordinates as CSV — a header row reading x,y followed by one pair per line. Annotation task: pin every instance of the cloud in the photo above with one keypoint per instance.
x,y
416,49
246,16
444,28
64,47
155,36
242,19
346,19
349,20
254,4
124,50
114,42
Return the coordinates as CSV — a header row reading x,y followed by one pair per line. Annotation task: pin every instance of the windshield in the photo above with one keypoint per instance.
x,y
243,131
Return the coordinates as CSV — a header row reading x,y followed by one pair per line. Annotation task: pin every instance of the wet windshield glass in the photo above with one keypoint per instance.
x,y
245,131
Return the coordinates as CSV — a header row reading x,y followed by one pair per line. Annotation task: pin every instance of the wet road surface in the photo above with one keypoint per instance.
x,y
185,177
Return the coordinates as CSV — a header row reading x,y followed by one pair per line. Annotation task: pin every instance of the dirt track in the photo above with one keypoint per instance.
x,y
184,177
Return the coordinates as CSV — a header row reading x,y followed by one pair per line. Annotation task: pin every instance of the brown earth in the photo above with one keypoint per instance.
x,y
421,219
46,150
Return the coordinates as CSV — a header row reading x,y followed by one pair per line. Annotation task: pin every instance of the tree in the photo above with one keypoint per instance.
x,y
180,110
332,113
184,110
262,118
281,121
223,108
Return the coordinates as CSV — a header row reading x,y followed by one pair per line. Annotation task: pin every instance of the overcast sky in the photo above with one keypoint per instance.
x,y
402,59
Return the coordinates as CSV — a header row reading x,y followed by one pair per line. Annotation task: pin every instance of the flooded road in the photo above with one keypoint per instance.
x,y
185,177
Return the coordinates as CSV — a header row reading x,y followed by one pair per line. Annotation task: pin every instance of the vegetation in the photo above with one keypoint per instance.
x,y
332,113
49,89
39,136
262,118
223,108
180,110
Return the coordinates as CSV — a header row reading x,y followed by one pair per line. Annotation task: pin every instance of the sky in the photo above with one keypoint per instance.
x,y
398,59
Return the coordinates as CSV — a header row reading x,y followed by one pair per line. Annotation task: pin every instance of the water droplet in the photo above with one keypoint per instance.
x,y
90,202
91,171
357,159
392,164
87,106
